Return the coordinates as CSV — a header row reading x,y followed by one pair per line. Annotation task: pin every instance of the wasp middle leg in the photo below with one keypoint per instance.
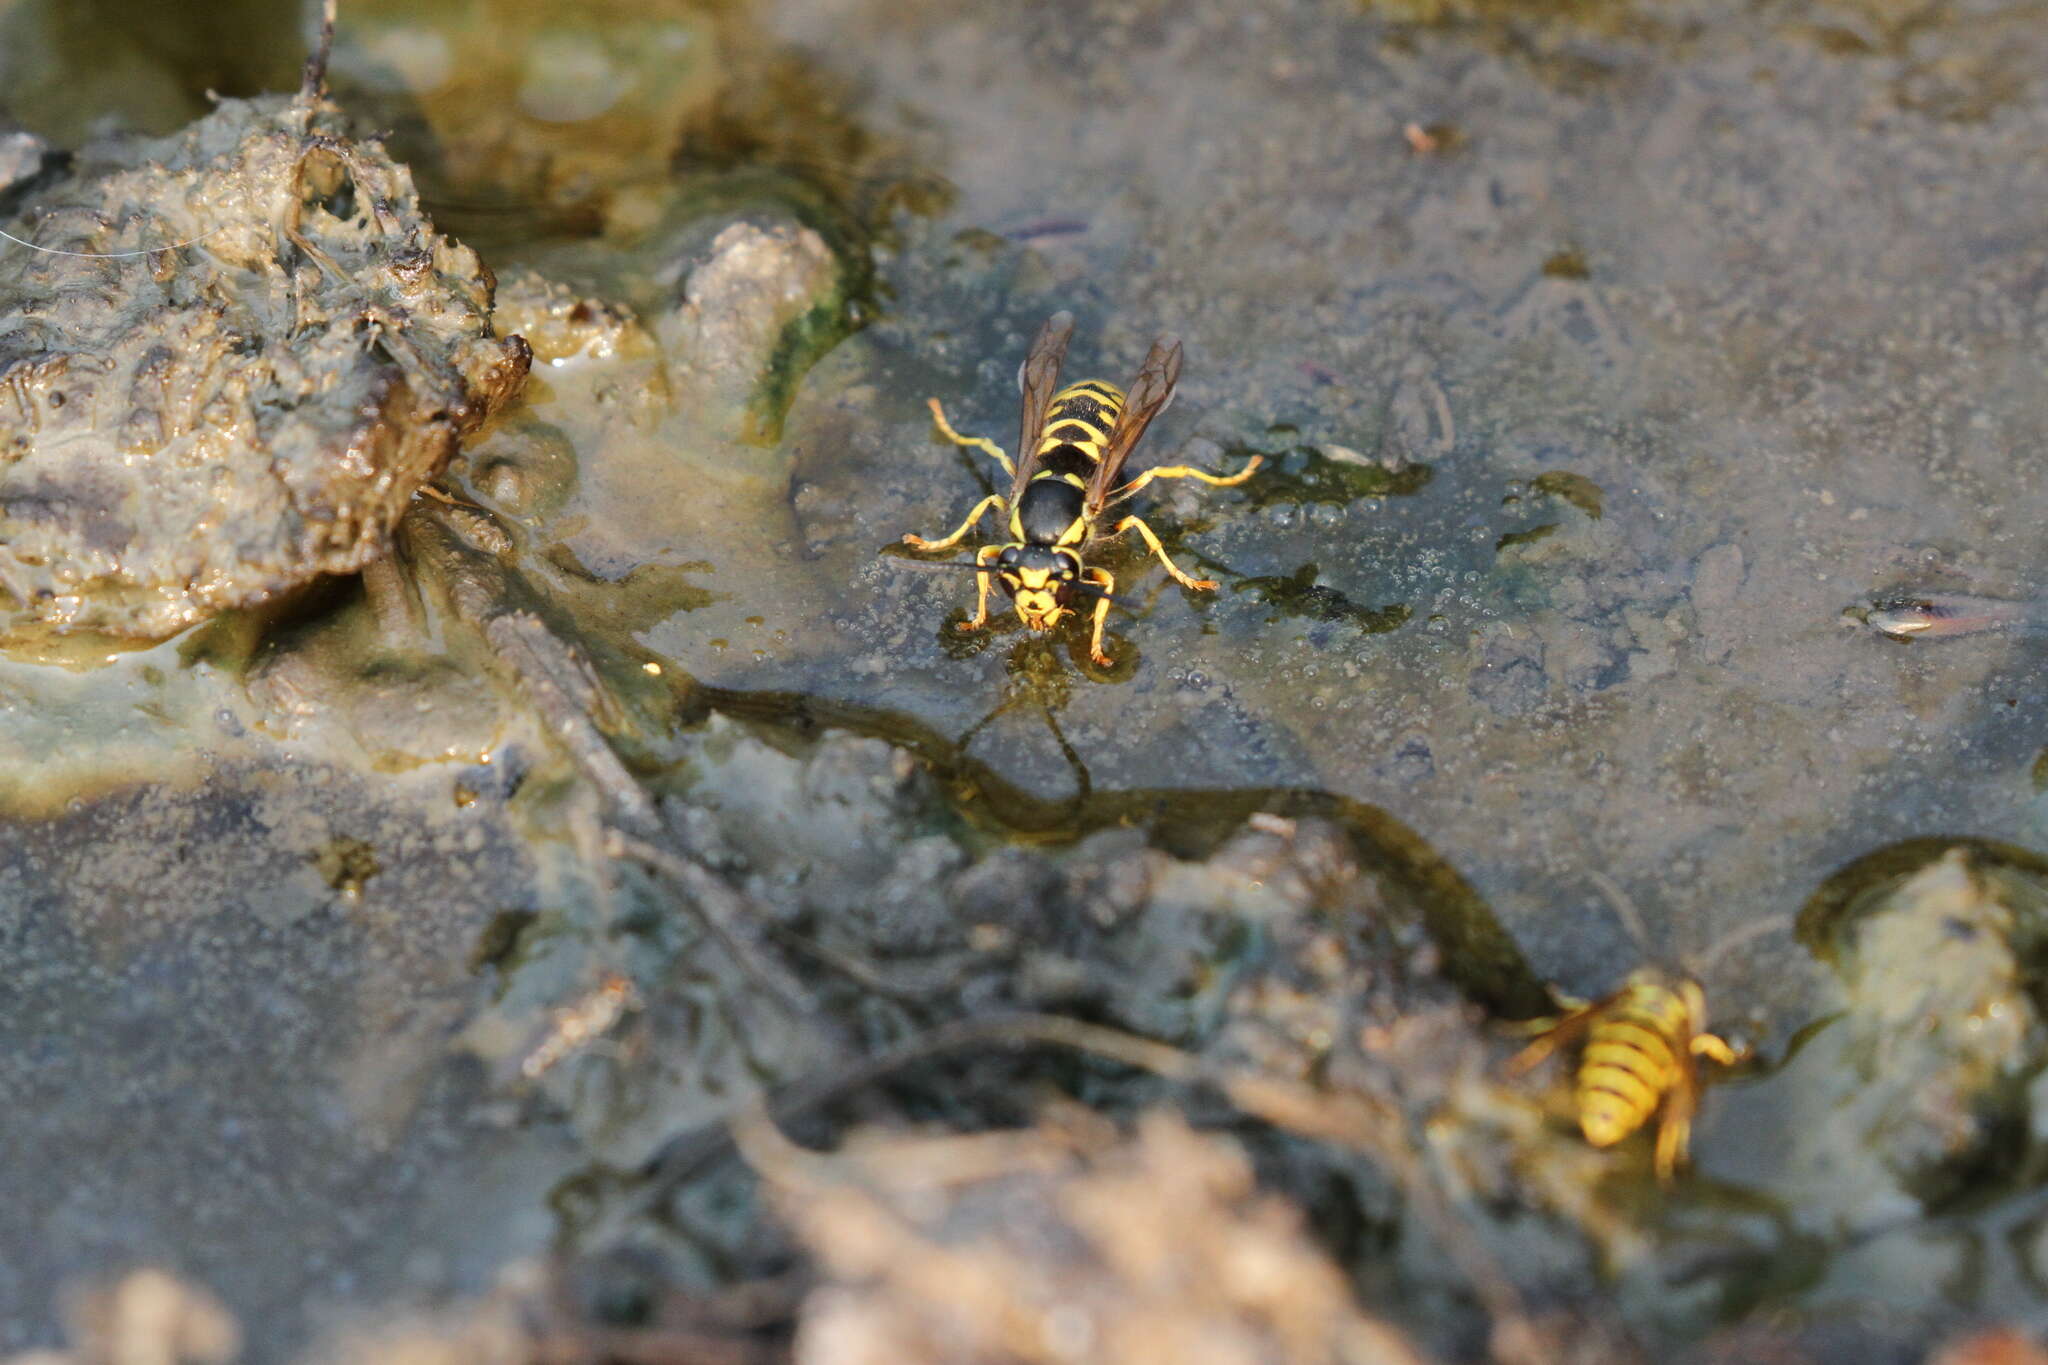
x,y
1188,471
1159,551
918,542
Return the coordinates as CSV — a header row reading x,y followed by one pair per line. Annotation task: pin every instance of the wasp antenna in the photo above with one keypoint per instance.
x,y
940,563
1735,938
1094,591
1624,908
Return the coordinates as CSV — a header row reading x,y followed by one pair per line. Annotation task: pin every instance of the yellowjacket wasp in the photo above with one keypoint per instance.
x,y
1643,1046
1074,444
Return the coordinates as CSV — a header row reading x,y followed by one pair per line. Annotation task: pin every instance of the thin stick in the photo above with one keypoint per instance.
x,y
546,669
314,81
685,1156
726,913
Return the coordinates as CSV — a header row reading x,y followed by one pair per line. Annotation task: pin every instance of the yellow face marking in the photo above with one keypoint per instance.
x,y
1037,603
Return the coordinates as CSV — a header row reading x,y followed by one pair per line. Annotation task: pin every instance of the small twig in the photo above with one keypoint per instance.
x,y
314,82
912,991
548,673
683,1157
730,916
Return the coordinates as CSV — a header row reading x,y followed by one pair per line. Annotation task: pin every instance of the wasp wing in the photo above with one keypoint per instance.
x,y
1037,378
1564,1031
1149,396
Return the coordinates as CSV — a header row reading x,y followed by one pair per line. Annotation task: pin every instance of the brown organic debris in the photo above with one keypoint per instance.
x,y
147,1317
1065,1242
1999,1346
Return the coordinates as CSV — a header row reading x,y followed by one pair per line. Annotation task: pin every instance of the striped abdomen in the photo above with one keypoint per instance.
x,y
1636,1053
1077,426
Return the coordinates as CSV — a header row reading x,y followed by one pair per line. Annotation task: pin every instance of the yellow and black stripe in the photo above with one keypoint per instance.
x,y
1641,1043
1081,416
1053,508
1632,1061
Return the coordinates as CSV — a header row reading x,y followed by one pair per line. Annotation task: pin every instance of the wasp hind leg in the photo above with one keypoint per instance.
x,y
1102,579
1186,471
1674,1136
981,443
980,617
918,542
1159,552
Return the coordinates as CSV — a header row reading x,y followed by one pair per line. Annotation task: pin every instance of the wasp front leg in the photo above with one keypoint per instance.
x,y
1159,551
1102,579
980,618
918,542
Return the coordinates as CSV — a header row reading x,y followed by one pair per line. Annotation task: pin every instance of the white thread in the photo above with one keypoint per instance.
x,y
107,255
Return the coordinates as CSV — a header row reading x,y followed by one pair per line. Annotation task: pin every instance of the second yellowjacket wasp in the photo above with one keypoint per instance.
x,y
1640,1061
1071,453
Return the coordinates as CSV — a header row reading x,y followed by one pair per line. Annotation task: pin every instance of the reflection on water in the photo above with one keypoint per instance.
x,y
1298,594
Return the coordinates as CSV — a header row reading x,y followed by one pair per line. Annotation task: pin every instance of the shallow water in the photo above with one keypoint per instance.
x,y
1736,315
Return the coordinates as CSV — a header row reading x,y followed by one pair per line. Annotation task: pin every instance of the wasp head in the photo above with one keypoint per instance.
x,y
1040,580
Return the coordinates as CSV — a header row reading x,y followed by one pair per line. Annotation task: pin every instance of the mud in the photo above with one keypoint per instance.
x,y
195,429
